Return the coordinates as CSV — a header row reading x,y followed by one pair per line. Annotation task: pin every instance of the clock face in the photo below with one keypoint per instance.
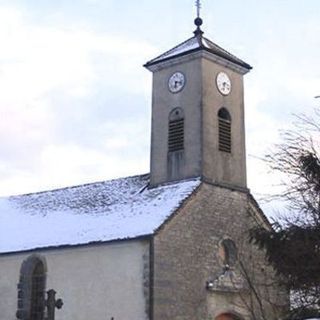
x,y
176,82
223,83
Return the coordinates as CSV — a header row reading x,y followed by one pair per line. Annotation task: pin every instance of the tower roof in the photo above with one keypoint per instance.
x,y
198,43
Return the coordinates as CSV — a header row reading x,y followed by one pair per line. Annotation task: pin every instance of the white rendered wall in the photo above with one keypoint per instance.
x,y
95,282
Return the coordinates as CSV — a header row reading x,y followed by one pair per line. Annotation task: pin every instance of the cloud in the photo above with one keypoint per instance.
x,y
284,81
51,80
75,101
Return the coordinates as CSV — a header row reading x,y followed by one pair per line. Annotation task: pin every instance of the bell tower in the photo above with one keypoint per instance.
x,y
198,113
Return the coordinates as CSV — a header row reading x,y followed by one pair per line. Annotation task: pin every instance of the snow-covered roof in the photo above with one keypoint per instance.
x,y
112,210
198,43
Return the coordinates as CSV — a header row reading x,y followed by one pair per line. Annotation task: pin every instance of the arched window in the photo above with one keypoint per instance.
x,y
176,130
37,291
228,252
224,119
31,289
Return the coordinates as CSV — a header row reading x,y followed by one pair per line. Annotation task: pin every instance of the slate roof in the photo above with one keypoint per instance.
x,y
111,210
197,43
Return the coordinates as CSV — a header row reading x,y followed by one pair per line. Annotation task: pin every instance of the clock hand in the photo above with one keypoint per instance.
x,y
177,82
225,85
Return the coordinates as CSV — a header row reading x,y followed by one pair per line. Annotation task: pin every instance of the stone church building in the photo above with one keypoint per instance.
x,y
169,245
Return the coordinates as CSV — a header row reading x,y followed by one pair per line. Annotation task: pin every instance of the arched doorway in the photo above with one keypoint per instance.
x,y
227,316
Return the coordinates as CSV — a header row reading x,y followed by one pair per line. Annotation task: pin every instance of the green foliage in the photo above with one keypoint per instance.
x,y
294,252
303,313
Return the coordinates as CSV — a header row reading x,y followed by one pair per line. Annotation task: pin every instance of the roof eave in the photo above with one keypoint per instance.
x,y
226,61
144,237
238,62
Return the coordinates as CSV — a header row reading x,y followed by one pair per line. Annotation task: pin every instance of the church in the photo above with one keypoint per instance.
x,y
169,245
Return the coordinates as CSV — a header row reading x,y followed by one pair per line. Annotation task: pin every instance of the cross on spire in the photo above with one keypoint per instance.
x,y
198,20
198,5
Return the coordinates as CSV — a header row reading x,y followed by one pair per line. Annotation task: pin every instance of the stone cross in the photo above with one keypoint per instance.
x,y
52,303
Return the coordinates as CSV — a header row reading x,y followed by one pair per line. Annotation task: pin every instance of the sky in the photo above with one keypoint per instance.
x,y
75,100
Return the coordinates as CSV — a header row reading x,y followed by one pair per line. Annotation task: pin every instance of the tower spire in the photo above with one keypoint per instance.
x,y
198,21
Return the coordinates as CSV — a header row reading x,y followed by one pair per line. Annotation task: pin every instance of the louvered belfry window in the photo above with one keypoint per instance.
x,y
224,120
176,130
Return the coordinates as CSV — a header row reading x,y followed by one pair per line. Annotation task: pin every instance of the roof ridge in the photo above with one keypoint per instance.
x,y
170,183
170,50
222,49
74,186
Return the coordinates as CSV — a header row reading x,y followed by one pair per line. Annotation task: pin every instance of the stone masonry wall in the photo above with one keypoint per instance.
x,y
186,256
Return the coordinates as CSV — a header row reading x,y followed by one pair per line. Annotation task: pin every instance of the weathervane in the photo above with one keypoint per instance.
x,y
198,21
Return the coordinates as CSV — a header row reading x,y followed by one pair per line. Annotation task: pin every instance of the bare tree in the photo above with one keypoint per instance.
x,y
293,245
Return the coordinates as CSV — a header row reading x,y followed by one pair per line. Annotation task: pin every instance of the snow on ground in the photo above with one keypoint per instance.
x,y
111,210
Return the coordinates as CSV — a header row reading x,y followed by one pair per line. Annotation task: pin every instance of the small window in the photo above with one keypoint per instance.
x,y
176,130
224,120
228,252
31,289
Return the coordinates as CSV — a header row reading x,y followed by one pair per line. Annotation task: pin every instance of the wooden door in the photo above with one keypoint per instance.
x,y
226,317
